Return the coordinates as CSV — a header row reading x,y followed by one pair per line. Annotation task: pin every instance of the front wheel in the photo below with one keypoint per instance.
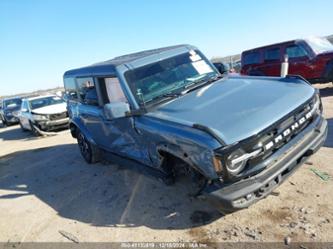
x,y
4,122
88,151
22,127
33,129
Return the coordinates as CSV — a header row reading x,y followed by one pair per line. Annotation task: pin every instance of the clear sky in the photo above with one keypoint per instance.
x,y
40,39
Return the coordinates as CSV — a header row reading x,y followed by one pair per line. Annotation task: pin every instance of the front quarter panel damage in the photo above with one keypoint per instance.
x,y
193,146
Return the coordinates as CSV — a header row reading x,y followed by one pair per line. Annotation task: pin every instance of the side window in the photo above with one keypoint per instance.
x,y
114,91
87,91
251,58
70,88
272,54
295,51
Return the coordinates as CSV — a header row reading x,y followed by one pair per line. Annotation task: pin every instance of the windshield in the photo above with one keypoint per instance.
x,y
41,102
12,103
319,45
168,76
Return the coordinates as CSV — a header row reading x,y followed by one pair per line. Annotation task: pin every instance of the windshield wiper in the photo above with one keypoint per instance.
x,y
172,95
200,83
165,96
186,89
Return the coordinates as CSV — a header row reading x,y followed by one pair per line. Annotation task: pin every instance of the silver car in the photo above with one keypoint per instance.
x,y
43,113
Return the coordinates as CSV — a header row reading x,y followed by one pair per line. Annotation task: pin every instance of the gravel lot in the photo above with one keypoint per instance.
x,y
48,193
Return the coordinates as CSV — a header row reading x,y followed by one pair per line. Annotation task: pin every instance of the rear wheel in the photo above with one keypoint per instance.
x,y
89,152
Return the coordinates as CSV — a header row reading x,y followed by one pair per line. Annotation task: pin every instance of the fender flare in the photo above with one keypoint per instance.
x,y
178,152
77,124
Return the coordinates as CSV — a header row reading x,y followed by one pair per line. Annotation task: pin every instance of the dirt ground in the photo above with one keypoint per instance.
x,y
48,193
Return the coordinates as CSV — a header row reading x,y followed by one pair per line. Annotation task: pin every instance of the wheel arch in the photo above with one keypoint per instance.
x,y
75,126
171,151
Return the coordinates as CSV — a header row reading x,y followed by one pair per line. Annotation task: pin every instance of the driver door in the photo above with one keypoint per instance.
x,y
119,135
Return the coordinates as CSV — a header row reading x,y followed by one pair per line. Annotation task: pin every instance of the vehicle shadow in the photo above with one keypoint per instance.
x,y
14,132
329,139
326,92
100,195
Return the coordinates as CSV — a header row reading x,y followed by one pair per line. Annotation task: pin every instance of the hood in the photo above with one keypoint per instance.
x,y
237,108
51,109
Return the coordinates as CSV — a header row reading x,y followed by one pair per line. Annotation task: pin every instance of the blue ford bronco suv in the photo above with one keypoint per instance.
x,y
170,113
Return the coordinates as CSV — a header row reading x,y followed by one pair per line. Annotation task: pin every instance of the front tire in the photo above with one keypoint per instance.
x,y
89,152
178,170
33,129
4,122
22,127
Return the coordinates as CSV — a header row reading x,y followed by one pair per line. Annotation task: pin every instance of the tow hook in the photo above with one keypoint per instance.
x,y
264,190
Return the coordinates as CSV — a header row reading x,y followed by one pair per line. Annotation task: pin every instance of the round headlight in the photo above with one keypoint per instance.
x,y
235,162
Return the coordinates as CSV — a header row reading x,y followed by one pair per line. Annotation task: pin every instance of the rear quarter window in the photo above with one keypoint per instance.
x,y
251,58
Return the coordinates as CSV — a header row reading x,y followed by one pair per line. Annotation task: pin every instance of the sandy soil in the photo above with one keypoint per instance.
x,y
48,193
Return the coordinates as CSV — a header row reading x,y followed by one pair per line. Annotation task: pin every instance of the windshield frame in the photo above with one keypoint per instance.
x,y
174,88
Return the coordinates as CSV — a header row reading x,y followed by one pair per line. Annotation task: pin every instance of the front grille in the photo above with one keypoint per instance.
x,y
279,128
58,116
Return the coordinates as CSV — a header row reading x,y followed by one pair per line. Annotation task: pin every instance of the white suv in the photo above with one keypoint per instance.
x,y
43,113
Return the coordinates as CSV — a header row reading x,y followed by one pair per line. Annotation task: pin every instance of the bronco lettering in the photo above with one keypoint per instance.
x,y
289,131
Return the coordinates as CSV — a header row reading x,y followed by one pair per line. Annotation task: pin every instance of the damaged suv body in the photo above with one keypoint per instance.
x,y
168,110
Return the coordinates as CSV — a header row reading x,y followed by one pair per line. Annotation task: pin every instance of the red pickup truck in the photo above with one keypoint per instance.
x,y
311,58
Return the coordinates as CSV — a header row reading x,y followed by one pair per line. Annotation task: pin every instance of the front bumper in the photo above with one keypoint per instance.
x,y
280,166
51,125
10,119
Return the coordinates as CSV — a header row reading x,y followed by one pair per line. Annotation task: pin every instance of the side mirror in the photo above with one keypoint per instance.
x,y
116,110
